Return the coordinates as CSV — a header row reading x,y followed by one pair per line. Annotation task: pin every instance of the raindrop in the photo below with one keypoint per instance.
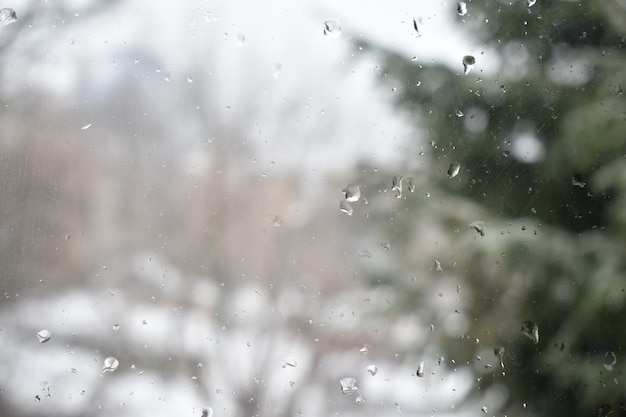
x,y
364,350
577,180
345,207
44,335
531,3
332,28
348,385
386,245
479,227
410,184
499,352
359,398
289,361
37,399
365,254
459,113
7,16
438,267
468,63
372,369
207,412
276,69
277,221
417,30
531,331
609,361
396,185
87,126
461,8
241,39
484,410
454,169
110,364
352,193
420,369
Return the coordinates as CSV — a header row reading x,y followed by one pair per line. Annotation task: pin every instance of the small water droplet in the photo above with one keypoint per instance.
x,y
396,185
289,361
345,207
348,385
609,361
531,331
420,369
116,327
37,399
577,180
110,364
416,27
461,8
365,254
386,245
479,226
87,126
207,412
438,267
484,410
352,193
365,349
276,69
7,16
241,39
468,63
453,169
359,398
459,113
372,369
531,3
410,184
332,28
44,335
277,221
499,352
189,80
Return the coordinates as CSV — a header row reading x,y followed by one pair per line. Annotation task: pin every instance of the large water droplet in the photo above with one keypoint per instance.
x,y
420,369
531,331
332,28
44,335
499,352
453,169
479,227
7,16
348,385
289,361
352,193
396,185
345,207
461,8
468,63
110,364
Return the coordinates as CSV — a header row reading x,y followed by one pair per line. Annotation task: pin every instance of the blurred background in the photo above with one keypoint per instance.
x,y
308,208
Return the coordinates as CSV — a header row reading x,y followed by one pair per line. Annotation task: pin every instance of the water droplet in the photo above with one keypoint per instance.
x,y
364,350
461,8
459,113
345,207
531,3
365,254
577,180
438,267
207,412
116,327
410,184
479,227
352,193
386,245
484,410
372,369
396,185
468,63
189,80
277,221
110,364
609,361
241,39
332,28
87,126
416,27
7,16
453,169
289,361
499,352
44,335
531,331
276,69
348,385
359,398
420,369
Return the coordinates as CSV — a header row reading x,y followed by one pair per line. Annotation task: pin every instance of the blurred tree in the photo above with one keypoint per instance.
x,y
541,143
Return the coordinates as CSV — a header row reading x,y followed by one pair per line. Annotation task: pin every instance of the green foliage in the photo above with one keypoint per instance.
x,y
555,245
